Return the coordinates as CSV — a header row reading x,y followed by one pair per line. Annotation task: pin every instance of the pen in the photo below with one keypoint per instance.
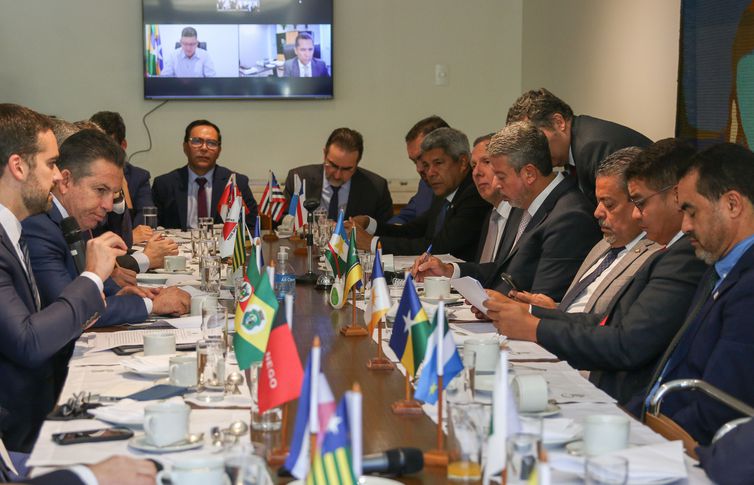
x,y
427,253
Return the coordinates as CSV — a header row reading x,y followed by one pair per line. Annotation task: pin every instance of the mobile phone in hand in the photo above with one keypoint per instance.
x,y
507,284
92,436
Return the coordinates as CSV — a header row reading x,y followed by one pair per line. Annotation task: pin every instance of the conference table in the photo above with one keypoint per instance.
x,y
344,363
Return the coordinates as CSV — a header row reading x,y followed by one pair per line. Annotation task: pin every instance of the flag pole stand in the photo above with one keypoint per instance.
x,y
439,456
270,236
408,406
277,456
380,362
353,330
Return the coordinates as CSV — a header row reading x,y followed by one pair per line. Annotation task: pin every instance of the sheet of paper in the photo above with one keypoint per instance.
x,y
470,289
192,321
107,341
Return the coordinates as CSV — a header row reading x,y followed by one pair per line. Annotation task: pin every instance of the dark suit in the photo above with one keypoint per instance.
x,y
31,365
54,269
369,194
170,193
458,235
592,140
57,477
416,206
141,194
728,461
720,352
318,68
551,249
641,321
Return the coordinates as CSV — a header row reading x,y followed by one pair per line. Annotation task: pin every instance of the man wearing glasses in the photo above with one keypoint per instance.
x,y
193,191
189,60
339,183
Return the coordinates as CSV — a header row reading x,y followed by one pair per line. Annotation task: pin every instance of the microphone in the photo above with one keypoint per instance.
x,y
310,277
397,462
72,235
311,204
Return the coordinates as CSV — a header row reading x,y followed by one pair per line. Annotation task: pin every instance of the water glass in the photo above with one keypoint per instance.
x,y
150,216
206,225
215,323
467,422
196,247
270,420
522,457
320,217
210,370
244,467
211,272
606,470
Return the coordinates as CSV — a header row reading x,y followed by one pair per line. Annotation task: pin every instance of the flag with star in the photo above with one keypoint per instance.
x,y
334,462
452,365
354,271
411,329
254,316
337,248
379,302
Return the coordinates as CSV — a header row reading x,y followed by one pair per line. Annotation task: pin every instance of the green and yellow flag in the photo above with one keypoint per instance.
x,y
354,271
255,314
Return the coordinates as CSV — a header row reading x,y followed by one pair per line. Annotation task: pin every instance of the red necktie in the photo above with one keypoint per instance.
x,y
201,197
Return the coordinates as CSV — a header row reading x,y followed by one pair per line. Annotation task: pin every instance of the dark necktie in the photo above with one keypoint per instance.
x,y
582,285
201,197
332,209
440,221
30,274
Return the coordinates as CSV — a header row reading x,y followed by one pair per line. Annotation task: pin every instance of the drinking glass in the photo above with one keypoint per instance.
x,y
243,466
210,370
214,324
466,437
522,457
206,226
150,216
606,470
210,272
270,420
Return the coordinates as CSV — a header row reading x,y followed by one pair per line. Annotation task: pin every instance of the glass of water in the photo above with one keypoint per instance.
x,y
150,216
211,270
210,370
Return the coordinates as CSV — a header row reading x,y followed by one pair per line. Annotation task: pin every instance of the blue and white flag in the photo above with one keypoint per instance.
x,y
446,352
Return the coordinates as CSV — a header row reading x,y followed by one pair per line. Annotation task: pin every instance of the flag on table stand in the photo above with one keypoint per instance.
x,y
354,271
227,198
504,419
281,374
296,207
273,199
379,301
315,406
232,229
335,462
254,317
426,388
258,243
411,329
337,248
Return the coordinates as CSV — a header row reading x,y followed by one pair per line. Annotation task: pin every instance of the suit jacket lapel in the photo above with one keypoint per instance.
x,y
182,196
594,255
27,296
483,234
509,235
354,192
624,263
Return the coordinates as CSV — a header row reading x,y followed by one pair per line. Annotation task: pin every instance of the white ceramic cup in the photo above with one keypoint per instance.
x,y
175,263
183,370
159,344
487,354
166,423
199,470
604,433
198,300
530,393
436,287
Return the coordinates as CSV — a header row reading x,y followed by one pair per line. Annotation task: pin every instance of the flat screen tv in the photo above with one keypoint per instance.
x,y
219,49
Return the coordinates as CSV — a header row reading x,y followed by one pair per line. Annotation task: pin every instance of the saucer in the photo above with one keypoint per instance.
x,y
172,271
151,279
551,410
140,443
575,448
448,299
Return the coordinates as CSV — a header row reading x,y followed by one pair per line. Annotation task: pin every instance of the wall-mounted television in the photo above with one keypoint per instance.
x,y
230,49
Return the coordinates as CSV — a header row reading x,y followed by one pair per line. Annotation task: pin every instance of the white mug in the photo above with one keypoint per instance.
x,y
604,433
436,287
175,263
530,393
199,300
166,423
487,354
159,344
183,370
199,470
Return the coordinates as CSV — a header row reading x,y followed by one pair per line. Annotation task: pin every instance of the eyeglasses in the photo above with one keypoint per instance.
x,y
197,142
640,203
334,167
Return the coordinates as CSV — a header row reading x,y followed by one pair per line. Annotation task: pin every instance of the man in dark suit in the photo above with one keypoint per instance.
x,y
31,338
579,143
453,222
621,346
193,191
716,340
728,460
339,183
550,229
305,64
92,170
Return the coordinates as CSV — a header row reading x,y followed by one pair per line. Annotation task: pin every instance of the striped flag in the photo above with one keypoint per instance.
x,y
228,197
411,329
254,316
273,199
335,462
231,229
337,253
441,359
379,302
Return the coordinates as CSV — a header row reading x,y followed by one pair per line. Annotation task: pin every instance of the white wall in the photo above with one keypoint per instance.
x,y
72,58
613,59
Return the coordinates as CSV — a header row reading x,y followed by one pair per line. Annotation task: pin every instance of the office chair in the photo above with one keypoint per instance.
x,y
201,45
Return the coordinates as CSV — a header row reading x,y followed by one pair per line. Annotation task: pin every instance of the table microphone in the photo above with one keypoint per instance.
x,y
310,277
397,462
72,235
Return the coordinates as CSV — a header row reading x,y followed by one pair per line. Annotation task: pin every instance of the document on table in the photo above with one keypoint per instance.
x,y
107,341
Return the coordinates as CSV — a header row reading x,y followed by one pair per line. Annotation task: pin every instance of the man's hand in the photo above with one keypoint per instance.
x,y
140,291
430,266
510,317
123,276
118,470
363,239
361,222
142,233
101,253
171,301
537,299
157,248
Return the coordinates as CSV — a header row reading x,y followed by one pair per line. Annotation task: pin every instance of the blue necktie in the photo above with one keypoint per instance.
x,y
30,274
582,285
332,209
440,221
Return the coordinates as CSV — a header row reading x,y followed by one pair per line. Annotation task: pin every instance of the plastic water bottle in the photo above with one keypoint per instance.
x,y
285,277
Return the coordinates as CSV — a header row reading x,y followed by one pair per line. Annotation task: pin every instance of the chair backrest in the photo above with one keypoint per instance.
x,y
670,430
201,45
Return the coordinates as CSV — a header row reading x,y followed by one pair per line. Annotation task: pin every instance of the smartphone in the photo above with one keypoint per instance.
x,y
92,436
135,348
507,284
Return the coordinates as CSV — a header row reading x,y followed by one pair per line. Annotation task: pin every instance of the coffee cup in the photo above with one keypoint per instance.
x,y
183,370
166,423
530,393
436,287
159,344
199,300
604,433
175,263
487,352
199,470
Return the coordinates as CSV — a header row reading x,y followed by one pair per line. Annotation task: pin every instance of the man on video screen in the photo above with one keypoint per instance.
x,y
189,60
305,64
